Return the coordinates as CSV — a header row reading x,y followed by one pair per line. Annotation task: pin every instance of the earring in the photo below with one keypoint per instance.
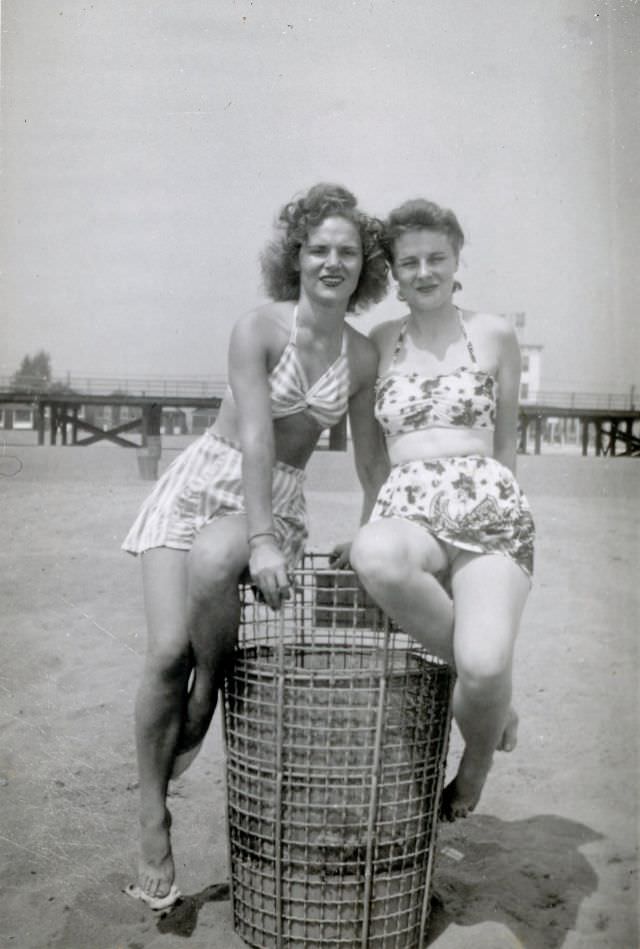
x,y
400,295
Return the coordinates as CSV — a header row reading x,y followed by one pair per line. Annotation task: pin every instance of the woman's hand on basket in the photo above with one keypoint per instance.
x,y
268,569
340,556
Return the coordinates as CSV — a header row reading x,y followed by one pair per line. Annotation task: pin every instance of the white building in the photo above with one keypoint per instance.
x,y
531,359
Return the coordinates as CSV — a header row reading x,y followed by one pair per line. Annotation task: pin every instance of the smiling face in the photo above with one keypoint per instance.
x,y
330,261
424,265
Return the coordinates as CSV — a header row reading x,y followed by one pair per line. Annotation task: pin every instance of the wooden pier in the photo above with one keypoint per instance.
x,y
610,425
616,431
61,414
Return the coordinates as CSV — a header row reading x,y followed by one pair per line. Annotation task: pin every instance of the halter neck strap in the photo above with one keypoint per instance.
x,y
405,327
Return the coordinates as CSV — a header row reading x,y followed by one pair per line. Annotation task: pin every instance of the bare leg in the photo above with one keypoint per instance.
x,y
396,561
489,593
159,707
509,737
218,557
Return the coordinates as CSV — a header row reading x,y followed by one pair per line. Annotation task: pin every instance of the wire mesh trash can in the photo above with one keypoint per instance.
x,y
336,730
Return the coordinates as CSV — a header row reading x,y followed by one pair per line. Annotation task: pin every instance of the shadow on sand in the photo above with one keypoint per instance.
x,y
183,918
528,875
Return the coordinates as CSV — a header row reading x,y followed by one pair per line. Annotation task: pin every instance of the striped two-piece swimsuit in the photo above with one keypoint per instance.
x,y
205,482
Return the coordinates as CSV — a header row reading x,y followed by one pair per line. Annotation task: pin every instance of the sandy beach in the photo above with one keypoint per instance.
x,y
549,859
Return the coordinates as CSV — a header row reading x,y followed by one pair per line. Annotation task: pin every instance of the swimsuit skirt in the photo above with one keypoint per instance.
x,y
204,483
471,502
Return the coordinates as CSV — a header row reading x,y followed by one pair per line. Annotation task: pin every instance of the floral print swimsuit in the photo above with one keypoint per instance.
x,y
471,502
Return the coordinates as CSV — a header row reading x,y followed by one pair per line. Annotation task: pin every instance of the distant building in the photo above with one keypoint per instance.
x,y
108,416
16,416
202,419
174,422
531,359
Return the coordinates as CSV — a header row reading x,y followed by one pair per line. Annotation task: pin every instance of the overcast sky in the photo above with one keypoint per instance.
x,y
148,146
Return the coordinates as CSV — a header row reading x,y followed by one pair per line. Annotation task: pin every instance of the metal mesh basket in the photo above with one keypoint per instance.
x,y
336,728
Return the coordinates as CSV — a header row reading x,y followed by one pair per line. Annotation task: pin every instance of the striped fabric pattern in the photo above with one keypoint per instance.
x,y
205,483
325,401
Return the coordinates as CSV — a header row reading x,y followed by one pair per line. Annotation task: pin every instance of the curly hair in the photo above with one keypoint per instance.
x,y
420,214
297,218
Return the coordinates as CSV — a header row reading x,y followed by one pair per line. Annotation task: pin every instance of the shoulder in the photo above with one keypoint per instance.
x,y
385,335
361,352
494,335
495,326
264,324
494,341
259,337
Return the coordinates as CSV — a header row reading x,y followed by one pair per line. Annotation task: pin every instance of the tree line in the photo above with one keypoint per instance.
x,y
35,375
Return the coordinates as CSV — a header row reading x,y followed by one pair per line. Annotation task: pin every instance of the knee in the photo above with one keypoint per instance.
x,y
169,660
378,564
485,674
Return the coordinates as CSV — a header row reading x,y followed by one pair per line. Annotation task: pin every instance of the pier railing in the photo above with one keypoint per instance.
x,y
586,400
162,386
197,387
96,405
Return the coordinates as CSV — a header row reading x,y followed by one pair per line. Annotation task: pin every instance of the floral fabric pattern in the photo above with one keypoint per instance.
x,y
471,502
407,402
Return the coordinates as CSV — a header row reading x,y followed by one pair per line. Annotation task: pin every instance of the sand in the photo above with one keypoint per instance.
x,y
550,858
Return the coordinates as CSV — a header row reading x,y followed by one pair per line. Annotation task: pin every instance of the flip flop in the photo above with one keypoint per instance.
x,y
184,760
156,903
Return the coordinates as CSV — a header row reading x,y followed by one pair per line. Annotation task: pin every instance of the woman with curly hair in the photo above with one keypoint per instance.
x,y
448,550
234,498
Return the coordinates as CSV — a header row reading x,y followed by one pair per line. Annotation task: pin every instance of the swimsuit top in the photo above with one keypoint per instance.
x,y
325,401
409,401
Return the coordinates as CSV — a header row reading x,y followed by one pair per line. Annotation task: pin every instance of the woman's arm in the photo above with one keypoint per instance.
x,y
248,378
371,459
505,436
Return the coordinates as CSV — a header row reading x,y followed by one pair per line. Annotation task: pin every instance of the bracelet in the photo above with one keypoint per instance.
x,y
253,536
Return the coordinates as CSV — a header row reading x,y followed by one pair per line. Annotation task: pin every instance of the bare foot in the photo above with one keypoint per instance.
x,y
156,870
461,796
509,737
